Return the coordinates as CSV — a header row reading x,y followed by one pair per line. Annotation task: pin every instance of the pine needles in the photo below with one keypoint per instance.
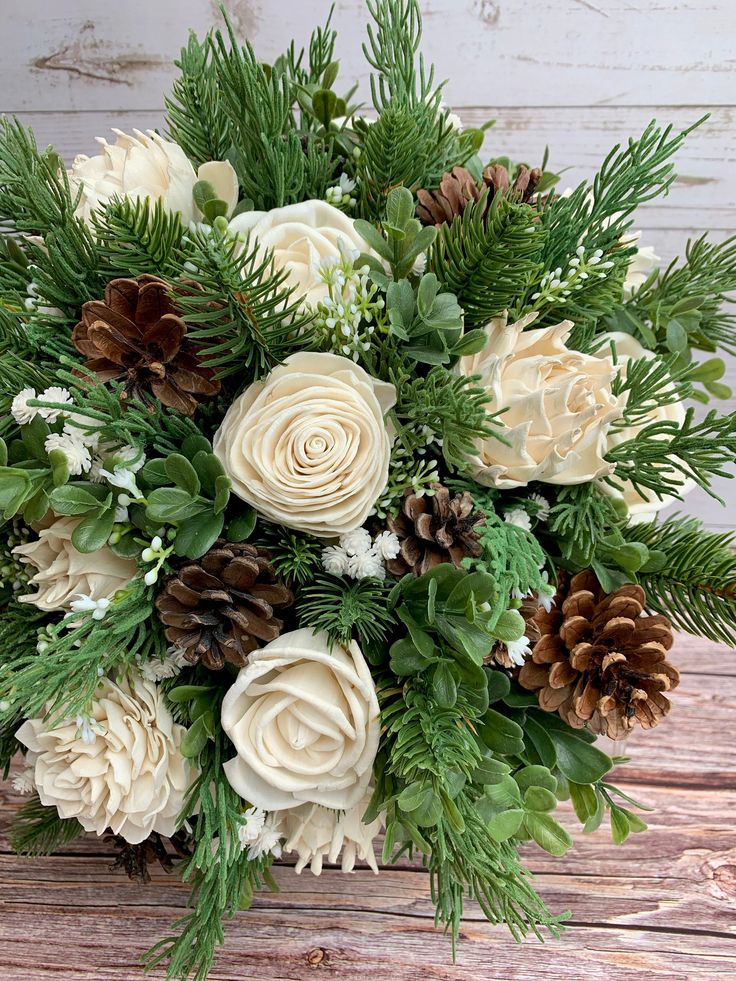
x,y
695,585
38,830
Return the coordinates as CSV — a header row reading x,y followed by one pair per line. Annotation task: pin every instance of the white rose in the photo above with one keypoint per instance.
x,y
146,166
62,573
316,833
641,509
301,236
122,769
304,721
559,406
307,446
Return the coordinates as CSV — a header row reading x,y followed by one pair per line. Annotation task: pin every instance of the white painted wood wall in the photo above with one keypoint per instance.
x,y
577,75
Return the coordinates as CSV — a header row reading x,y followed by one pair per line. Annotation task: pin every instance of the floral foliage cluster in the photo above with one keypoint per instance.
x,y
331,461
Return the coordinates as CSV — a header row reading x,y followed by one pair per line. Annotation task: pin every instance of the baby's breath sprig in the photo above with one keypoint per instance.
x,y
557,286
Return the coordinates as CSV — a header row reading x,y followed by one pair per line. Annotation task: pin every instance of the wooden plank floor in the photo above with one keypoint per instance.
x,y
663,906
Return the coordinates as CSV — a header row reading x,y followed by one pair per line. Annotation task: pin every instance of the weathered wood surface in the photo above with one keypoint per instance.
x,y
663,906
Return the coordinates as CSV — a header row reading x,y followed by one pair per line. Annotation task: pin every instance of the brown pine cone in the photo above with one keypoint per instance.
x,y
458,187
135,335
441,528
135,859
601,662
529,609
221,607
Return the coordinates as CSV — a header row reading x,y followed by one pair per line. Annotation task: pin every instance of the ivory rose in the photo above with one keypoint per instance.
x,y
123,769
307,446
62,574
146,166
559,406
640,508
304,721
300,236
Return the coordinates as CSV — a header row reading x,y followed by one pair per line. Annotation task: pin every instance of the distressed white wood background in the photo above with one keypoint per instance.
x,y
577,75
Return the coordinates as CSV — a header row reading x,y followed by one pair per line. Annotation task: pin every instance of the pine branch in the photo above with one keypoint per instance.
x,y
664,454
38,830
136,236
348,610
391,51
694,583
648,384
489,261
241,314
194,112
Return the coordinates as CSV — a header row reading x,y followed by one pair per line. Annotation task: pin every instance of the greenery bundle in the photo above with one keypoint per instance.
x,y
331,461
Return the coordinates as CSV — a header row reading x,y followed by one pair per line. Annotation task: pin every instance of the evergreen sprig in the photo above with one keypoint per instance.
x,y
223,879
38,830
194,112
695,585
136,236
240,313
348,609
488,259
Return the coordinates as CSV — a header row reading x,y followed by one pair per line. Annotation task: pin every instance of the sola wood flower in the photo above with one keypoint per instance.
x,y
304,719
135,336
559,406
62,574
307,447
123,769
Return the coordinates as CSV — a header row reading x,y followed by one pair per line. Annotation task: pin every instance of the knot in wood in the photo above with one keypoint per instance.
x,y
317,956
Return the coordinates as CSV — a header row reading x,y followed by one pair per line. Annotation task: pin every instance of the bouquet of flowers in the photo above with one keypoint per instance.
x,y
331,461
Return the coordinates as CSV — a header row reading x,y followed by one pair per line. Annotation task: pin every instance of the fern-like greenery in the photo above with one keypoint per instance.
x,y
694,584
136,236
489,260
347,609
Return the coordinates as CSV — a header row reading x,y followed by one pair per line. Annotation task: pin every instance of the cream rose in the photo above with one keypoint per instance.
x,y
146,166
121,769
300,236
304,721
62,574
307,446
559,406
317,833
640,508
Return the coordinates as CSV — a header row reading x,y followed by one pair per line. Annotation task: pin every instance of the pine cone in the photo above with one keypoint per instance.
x,y
433,530
601,662
529,609
221,607
135,335
458,187
135,859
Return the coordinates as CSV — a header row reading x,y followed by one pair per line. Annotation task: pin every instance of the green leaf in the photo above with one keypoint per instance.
x,y
222,493
36,507
186,693
198,534
168,504
34,438
584,800
373,238
429,812
509,627
501,734
539,799
499,685
489,771
406,659
536,776
541,742
399,208
619,825
202,192
181,472
195,739
208,469
153,474
77,498
414,796
323,105
241,527
676,337
577,759
505,825
443,686
92,533
14,484
471,343
3,453
548,833
59,467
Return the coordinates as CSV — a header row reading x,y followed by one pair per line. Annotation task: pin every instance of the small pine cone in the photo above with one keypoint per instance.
x,y
136,336
529,609
456,189
134,860
601,662
221,607
441,528
497,179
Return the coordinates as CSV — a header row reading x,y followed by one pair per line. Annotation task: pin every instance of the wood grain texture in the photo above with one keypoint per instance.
x,y
663,906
